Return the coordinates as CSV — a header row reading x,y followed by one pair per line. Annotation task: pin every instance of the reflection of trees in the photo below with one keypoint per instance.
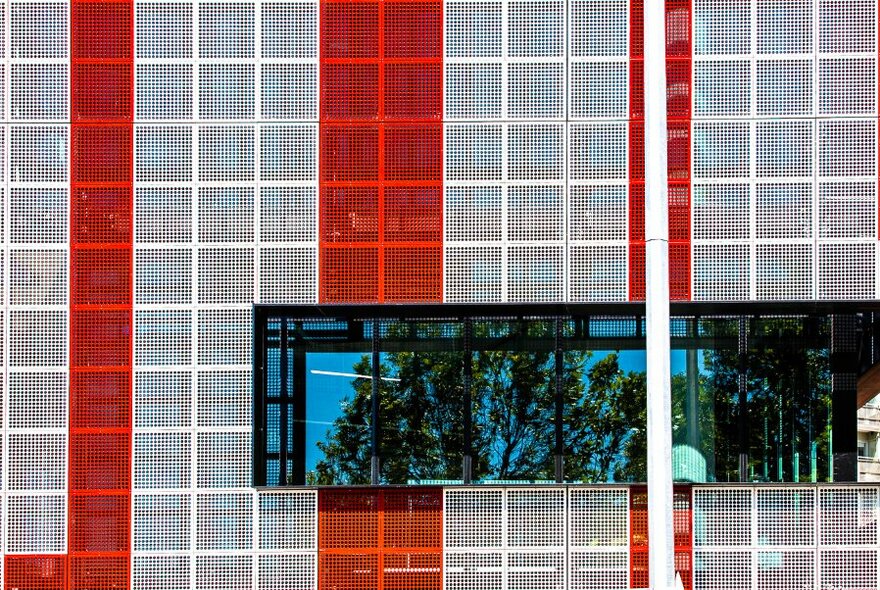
x,y
422,420
787,407
604,434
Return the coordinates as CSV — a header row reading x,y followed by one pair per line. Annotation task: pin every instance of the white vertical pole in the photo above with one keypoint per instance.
x,y
661,568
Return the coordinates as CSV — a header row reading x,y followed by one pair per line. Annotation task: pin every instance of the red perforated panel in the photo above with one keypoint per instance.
x,y
101,153
101,30
101,399
35,572
103,93
101,215
100,461
348,571
99,526
413,214
101,276
380,539
408,272
99,573
349,274
381,61
678,108
99,523
100,338
682,518
413,153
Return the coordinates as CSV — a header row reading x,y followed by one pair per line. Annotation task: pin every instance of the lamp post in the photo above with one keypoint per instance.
x,y
661,567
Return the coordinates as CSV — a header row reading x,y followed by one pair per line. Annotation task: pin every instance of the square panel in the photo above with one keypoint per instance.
x,y
223,460
226,30
164,30
226,275
722,272
472,213
100,399
101,91
289,30
101,153
535,91
161,522
39,30
288,214
535,213
473,29
413,29
597,273
473,91
36,461
164,91
162,460
289,92
288,275
350,29
535,273
226,91
101,30
473,152
163,214
722,88
598,89
100,524
413,274
226,214
39,91
161,572
472,274
535,152
162,399
100,461
226,154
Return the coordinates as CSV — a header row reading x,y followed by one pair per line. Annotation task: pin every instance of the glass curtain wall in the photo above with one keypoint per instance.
x,y
537,399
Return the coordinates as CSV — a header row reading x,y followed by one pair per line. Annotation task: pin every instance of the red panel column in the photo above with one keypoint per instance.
x,y
678,108
381,151
380,539
101,294
682,516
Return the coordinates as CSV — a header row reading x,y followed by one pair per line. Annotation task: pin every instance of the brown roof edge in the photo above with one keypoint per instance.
x,y
869,385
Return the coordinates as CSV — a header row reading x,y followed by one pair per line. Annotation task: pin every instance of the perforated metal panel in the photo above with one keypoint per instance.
x,y
505,538
773,116
806,537
598,528
380,538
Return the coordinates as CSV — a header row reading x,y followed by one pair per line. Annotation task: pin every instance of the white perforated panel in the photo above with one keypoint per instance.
x,y
161,522
161,572
785,96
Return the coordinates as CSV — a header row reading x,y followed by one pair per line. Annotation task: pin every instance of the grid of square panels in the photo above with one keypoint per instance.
x,y
504,538
505,211
679,44
380,539
803,537
99,526
598,97
381,151
225,215
35,286
785,150
505,151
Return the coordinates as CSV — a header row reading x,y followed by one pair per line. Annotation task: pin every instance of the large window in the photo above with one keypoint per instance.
x,y
355,395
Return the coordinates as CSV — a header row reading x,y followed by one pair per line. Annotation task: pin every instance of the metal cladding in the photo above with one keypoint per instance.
x,y
168,164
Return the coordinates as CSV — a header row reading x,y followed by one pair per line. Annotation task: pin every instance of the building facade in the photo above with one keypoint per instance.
x,y
168,165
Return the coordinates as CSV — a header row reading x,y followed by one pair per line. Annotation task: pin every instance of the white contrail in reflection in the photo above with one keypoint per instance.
x,y
351,375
